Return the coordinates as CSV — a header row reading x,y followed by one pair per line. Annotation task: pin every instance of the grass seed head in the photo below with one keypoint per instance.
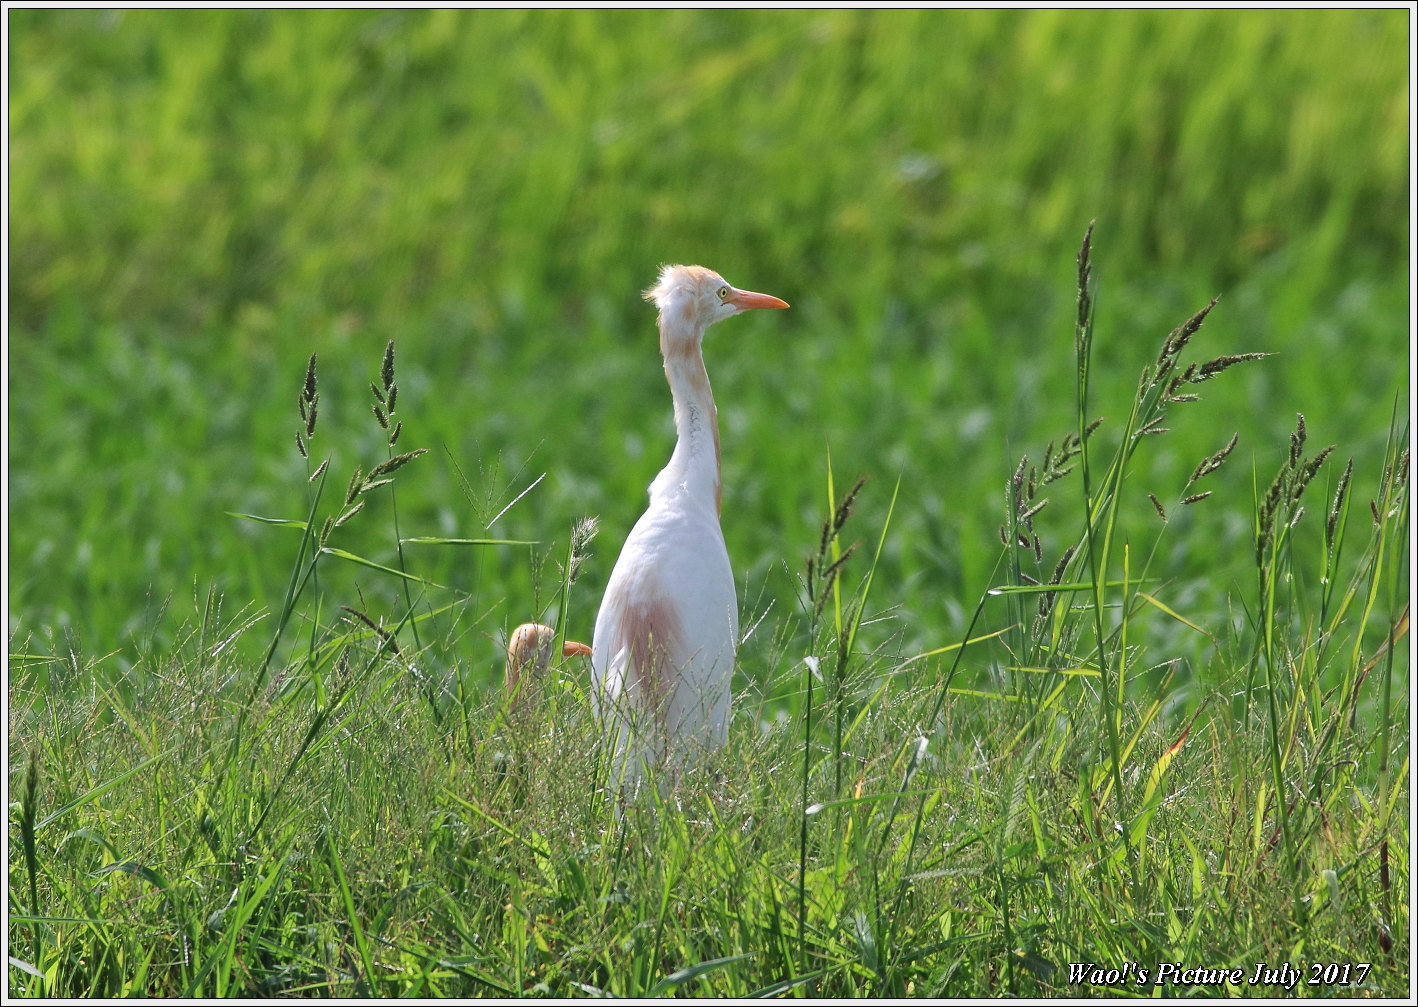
x,y
1307,473
1211,463
1265,523
1028,516
1216,365
384,635
583,531
1274,495
387,372
1057,474
349,513
1297,440
1161,511
1046,600
830,574
1153,426
396,463
307,402
1186,377
356,477
1337,507
1179,337
1085,278
844,509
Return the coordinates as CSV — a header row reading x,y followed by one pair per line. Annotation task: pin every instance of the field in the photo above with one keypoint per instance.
x,y
1133,694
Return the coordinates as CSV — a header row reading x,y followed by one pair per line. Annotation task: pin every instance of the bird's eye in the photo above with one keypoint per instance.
x,y
723,293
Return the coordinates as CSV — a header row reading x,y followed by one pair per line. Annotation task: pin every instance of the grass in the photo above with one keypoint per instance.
x,y
1037,692
942,839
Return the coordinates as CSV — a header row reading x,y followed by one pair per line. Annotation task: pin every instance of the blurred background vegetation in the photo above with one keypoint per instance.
x,y
200,200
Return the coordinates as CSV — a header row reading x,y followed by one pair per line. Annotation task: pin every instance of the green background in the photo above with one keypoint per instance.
x,y
1198,758
199,200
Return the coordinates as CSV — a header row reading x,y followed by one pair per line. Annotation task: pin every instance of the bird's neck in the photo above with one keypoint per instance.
x,y
694,466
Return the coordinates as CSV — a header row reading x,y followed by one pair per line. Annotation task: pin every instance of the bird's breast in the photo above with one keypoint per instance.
x,y
681,548
675,564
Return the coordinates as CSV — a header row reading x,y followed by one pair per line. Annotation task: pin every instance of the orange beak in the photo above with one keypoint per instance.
x,y
747,299
573,649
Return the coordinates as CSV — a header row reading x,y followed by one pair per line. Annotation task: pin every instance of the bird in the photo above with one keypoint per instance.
x,y
665,640
529,650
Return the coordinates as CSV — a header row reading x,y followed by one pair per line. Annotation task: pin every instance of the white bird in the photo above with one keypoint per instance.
x,y
663,652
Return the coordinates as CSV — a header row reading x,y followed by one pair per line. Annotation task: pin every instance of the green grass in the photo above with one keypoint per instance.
x,y
1184,744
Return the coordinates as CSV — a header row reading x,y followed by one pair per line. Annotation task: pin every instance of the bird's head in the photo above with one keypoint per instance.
x,y
692,298
529,651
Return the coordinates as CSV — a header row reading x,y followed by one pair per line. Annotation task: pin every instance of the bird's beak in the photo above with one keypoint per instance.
x,y
746,299
573,649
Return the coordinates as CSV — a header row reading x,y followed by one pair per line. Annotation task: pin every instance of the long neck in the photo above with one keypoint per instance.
x,y
695,462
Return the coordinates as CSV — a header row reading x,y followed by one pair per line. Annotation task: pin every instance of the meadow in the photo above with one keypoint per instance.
x,y
1106,661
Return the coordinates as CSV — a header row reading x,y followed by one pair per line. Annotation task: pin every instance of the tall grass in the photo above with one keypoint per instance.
x,y
1106,660
1049,788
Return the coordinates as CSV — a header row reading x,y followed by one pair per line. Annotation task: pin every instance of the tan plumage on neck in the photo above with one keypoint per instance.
x,y
690,299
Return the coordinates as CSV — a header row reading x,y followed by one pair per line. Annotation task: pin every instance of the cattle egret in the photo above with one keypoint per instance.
x,y
666,633
529,656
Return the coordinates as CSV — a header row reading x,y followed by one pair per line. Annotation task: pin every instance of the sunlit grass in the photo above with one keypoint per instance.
x,y
1038,691
967,821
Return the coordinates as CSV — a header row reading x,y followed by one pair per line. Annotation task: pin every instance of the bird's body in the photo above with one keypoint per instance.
x,y
666,634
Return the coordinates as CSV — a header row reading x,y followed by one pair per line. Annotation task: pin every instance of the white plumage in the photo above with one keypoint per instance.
x,y
663,653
